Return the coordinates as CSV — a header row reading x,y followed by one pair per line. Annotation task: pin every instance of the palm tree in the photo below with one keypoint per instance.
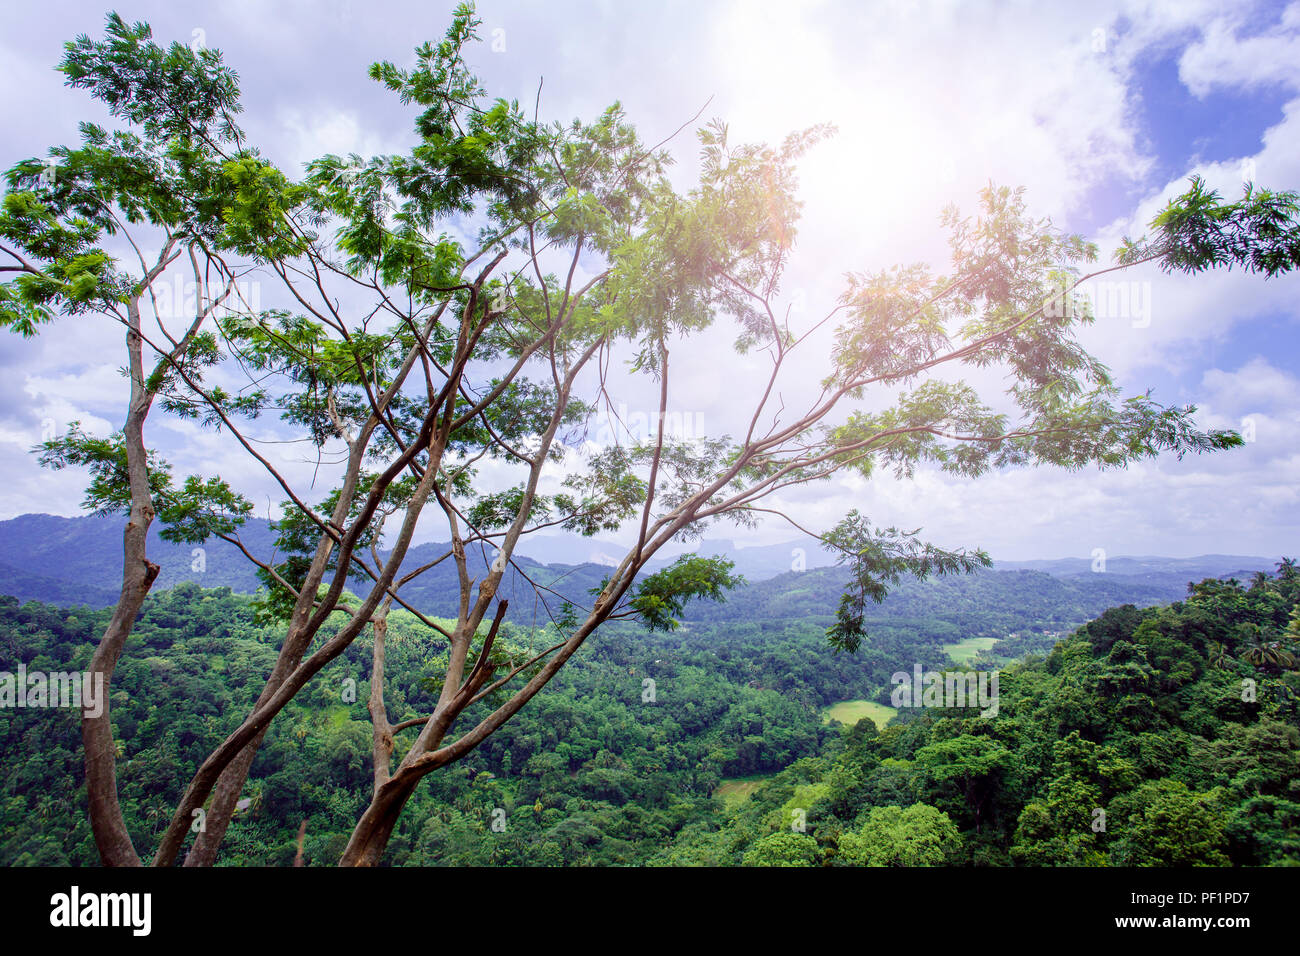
x,y
1219,656
158,814
1265,653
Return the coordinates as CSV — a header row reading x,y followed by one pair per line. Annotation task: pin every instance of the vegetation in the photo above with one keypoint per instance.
x,y
1139,714
501,349
1150,737
963,652
851,711
592,774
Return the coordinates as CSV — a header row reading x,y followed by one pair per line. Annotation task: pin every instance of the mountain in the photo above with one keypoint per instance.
x,y
45,552
985,603
29,586
754,563
1168,573
1198,568
79,561
758,563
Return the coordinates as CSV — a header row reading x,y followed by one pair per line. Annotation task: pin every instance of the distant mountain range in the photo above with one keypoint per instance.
x,y
756,562
1157,571
79,561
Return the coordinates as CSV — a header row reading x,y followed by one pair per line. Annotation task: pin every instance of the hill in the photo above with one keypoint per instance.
x,y
70,561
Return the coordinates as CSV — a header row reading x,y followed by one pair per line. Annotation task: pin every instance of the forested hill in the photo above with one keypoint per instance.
x,y
79,561
72,561
1140,715
1158,737
973,602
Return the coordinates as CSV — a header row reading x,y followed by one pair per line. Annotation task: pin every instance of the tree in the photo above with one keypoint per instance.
x,y
167,181
1262,651
965,770
1163,823
783,848
408,360
921,835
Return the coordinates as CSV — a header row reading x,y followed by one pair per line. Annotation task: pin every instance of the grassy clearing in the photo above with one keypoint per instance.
x,y
963,652
849,712
735,792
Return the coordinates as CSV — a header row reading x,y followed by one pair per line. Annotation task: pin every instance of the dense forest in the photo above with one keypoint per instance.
x,y
1150,736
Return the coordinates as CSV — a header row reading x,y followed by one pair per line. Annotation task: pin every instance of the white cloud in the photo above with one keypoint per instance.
x,y
1254,387
932,101
1222,57
312,134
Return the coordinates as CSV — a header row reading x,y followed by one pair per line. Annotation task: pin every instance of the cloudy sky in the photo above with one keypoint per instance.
x,y
1101,111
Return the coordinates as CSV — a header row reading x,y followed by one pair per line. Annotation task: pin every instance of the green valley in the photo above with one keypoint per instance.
x,y
1138,712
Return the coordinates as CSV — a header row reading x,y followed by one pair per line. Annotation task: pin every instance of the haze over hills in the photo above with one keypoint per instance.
x,y
1169,573
78,561
756,562
1216,565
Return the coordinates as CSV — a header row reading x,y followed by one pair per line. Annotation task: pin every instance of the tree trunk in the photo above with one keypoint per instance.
x,y
226,791
370,838
221,808
138,574
106,821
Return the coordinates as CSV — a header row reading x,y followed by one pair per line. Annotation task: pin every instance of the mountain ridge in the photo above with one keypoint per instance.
x,y
78,561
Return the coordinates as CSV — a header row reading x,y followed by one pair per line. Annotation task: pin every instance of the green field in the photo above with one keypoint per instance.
x,y
849,712
964,652
737,791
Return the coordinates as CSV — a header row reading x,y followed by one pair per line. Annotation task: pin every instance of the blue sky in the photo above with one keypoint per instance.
x,y
1183,129
1101,113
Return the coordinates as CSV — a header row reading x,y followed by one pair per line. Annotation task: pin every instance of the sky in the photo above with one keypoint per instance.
x,y
1101,111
